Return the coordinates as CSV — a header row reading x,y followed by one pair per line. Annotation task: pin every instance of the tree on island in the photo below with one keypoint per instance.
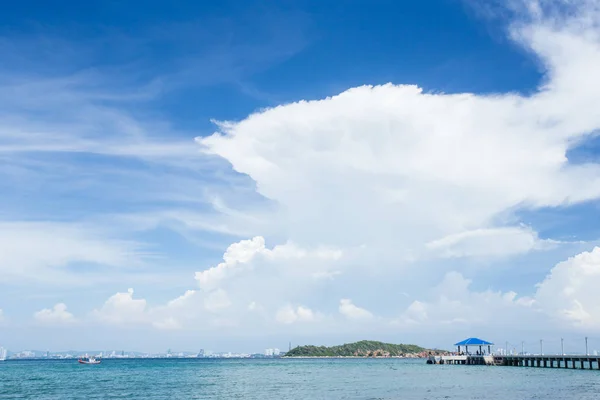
x,y
363,348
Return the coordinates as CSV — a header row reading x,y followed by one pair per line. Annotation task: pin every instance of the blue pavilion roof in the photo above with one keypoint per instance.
x,y
473,341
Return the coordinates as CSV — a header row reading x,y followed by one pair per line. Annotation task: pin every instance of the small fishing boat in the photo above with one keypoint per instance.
x,y
89,360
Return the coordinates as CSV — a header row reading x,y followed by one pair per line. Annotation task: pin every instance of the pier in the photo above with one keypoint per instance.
x,y
538,361
484,356
549,361
462,360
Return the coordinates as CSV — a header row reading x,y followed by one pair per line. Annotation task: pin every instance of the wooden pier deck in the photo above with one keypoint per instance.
x,y
537,361
550,361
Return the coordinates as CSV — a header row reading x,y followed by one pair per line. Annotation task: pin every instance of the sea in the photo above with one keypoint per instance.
x,y
288,379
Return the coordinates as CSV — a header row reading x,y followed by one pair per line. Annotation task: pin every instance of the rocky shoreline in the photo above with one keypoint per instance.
x,y
409,356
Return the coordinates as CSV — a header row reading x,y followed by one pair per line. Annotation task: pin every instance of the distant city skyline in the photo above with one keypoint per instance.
x,y
110,354
202,353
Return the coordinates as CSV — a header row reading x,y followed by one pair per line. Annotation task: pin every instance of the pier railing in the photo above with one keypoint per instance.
x,y
550,361
538,361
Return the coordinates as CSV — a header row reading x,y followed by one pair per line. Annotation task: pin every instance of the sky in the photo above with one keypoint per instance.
x,y
236,175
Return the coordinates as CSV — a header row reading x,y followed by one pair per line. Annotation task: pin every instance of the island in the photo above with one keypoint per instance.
x,y
363,349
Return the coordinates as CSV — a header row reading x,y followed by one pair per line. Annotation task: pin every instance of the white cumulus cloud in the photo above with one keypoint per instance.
x,y
122,308
182,300
454,302
566,299
289,315
569,292
236,254
55,315
217,300
394,167
351,311
238,257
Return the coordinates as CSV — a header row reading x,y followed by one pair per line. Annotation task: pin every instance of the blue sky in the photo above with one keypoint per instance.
x,y
264,167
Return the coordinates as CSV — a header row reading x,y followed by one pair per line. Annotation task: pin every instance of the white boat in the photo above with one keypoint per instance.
x,y
89,360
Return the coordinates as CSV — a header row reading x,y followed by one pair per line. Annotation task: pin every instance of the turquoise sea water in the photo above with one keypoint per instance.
x,y
288,379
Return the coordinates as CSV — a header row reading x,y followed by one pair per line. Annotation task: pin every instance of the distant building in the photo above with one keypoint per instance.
x,y
25,354
269,352
201,353
276,352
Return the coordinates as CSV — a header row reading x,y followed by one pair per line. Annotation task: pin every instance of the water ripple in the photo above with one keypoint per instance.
x,y
352,379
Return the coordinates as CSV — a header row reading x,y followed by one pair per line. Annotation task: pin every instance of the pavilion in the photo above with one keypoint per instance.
x,y
475,342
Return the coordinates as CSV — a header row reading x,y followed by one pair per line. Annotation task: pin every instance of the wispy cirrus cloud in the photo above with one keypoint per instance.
x,y
44,251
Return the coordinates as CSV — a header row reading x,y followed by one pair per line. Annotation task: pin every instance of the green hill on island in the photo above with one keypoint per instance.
x,y
364,348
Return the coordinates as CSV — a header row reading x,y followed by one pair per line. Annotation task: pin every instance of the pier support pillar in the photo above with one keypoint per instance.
x,y
590,362
538,362
581,362
545,363
551,363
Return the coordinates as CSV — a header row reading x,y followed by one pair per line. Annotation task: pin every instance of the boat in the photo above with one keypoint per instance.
x,y
89,360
